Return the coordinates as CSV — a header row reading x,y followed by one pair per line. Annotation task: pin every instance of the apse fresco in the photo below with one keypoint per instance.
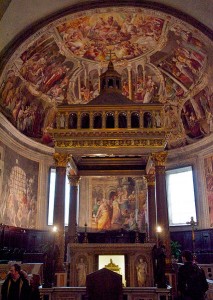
x,y
117,203
126,35
208,165
18,205
161,59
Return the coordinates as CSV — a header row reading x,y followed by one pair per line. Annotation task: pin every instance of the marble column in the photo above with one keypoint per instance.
x,y
74,185
152,218
161,199
59,207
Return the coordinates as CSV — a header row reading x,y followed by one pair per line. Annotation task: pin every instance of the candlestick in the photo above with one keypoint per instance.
x,y
193,224
76,233
85,234
137,239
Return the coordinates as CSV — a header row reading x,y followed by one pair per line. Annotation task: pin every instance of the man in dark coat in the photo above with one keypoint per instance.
x,y
16,286
192,283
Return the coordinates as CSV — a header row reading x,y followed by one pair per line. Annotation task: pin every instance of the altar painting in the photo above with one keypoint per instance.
x,y
118,203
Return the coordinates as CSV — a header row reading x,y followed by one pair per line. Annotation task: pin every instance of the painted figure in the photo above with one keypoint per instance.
x,y
103,215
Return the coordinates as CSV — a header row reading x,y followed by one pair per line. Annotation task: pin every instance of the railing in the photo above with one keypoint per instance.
x,y
91,117
118,127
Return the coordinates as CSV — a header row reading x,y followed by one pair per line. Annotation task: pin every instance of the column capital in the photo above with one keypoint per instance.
x,y
74,179
61,159
159,158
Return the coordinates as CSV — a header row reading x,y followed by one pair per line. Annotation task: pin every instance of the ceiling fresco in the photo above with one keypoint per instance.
x,y
165,59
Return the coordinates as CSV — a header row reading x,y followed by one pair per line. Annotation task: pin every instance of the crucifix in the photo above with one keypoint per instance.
x,y
193,224
109,54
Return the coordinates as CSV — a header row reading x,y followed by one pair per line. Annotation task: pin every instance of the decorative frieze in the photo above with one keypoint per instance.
x,y
111,143
128,127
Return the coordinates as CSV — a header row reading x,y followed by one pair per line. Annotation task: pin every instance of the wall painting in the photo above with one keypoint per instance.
x,y
208,167
18,204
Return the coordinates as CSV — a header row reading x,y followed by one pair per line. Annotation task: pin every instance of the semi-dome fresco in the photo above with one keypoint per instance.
x,y
161,59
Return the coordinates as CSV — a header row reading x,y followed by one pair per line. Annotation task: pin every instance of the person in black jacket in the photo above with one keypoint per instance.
x,y
192,283
16,286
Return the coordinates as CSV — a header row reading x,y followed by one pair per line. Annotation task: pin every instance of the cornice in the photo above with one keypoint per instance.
x,y
199,148
104,247
11,137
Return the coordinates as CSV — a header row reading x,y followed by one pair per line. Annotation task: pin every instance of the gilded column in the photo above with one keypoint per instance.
x,y
128,119
66,120
152,218
59,206
104,120
74,185
161,200
91,120
116,119
58,121
141,119
154,125
79,121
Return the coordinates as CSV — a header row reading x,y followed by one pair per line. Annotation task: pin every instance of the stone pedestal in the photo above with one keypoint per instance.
x,y
61,279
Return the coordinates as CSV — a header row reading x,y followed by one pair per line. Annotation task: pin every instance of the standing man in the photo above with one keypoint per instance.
x,y
16,286
192,283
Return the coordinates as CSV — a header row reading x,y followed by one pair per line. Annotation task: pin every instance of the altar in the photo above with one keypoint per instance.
x,y
125,258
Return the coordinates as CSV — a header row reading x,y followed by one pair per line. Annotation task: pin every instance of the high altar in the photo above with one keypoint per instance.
x,y
117,190
133,253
